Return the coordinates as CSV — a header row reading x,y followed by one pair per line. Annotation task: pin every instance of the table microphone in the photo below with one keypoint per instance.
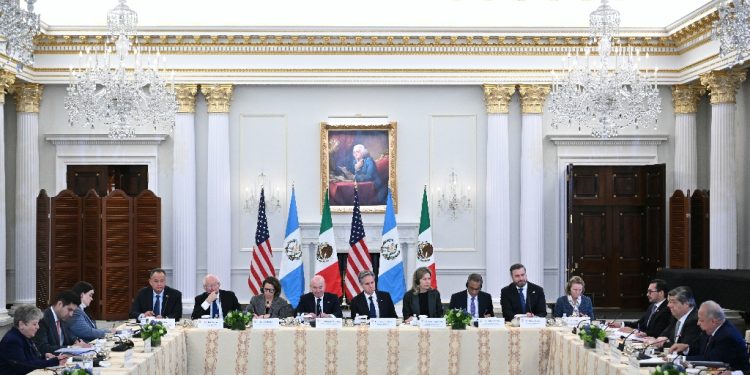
x,y
575,329
621,346
642,355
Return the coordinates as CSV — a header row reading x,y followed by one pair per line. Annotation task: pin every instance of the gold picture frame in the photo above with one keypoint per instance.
x,y
341,170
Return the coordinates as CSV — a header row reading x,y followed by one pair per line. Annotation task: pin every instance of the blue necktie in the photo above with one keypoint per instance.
x,y
157,305
214,309
473,309
523,300
373,313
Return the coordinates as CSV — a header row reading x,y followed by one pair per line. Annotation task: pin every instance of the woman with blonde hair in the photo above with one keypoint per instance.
x,y
574,303
422,299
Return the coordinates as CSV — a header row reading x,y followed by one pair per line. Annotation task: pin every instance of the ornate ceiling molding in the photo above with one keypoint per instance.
x,y
104,139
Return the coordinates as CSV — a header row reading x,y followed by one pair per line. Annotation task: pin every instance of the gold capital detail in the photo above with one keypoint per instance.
x,y
533,97
28,96
218,97
6,84
185,98
497,97
723,85
685,97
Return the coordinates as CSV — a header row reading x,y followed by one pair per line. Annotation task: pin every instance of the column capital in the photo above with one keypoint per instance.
x,y
497,97
218,97
685,97
6,83
28,96
533,97
723,85
185,97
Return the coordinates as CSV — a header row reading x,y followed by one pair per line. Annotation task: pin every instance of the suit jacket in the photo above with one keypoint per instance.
x,y
563,306
18,354
280,308
411,304
360,305
659,322
171,304
511,301
690,332
46,338
727,345
484,303
83,327
227,299
330,304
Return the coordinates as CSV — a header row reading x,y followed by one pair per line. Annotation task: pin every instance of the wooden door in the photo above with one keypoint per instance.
x,y
82,178
91,269
679,230
133,179
117,216
700,228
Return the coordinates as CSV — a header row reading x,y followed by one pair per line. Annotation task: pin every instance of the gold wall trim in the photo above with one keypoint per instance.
x,y
533,97
6,84
685,97
28,96
185,97
218,97
497,97
723,85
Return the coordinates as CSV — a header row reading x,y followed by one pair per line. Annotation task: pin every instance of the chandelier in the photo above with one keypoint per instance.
x,y
454,197
105,90
17,30
732,30
606,92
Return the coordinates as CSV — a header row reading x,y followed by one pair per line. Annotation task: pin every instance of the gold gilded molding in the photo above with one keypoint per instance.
x,y
218,97
6,84
685,97
497,97
723,85
533,97
28,96
185,98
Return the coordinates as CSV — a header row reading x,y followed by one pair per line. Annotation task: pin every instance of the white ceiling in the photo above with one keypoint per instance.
x,y
367,14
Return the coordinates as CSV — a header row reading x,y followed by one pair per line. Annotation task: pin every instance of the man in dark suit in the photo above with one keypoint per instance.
x,y
53,330
521,296
318,302
214,302
656,318
372,303
683,328
157,300
473,300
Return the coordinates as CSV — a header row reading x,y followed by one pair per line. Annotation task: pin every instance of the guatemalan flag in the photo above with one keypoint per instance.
x,y
391,273
291,273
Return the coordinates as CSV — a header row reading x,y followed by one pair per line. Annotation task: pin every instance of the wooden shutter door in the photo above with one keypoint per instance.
x,y
65,255
42,249
147,236
679,230
116,254
91,249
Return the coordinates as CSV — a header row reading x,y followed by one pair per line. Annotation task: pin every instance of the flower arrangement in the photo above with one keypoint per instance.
x,y
458,319
590,333
77,371
153,330
238,320
669,369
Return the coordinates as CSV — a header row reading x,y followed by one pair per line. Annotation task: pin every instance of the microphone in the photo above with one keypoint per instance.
x,y
642,355
621,346
575,329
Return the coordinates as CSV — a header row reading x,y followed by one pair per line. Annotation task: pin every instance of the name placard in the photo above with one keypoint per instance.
x,y
269,323
574,321
601,347
383,323
615,353
329,323
532,322
432,323
491,323
209,323
128,358
169,323
359,319
147,345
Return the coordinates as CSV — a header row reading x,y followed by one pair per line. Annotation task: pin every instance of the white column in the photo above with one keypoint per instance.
x,y
497,194
685,99
28,97
184,202
723,87
532,176
6,80
219,218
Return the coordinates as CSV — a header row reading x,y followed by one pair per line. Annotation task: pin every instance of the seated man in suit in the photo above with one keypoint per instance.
x,y
656,318
372,303
683,328
521,296
53,330
214,302
157,300
318,303
720,340
473,299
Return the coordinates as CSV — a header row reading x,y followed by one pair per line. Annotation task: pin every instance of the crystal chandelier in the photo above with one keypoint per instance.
x,y
453,197
105,90
732,30
17,30
606,92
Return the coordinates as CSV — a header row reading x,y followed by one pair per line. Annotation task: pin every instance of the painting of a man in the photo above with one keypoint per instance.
x,y
352,163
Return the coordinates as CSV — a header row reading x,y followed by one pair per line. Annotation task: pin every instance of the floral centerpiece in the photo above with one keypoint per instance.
x,y
590,333
458,319
153,330
238,320
669,369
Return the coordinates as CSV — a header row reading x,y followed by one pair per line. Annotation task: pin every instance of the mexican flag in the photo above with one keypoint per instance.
x,y
326,257
425,252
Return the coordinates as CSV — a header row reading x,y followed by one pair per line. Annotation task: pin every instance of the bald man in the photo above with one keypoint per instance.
x,y
318,303
214,302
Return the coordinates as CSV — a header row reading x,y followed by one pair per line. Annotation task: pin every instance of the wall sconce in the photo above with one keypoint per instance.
x,y
251,195
453,197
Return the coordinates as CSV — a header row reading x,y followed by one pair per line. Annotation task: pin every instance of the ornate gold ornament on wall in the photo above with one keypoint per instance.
x,y
723,85
28,96
533,97
218,97
497,97
185,98
685,97
6,83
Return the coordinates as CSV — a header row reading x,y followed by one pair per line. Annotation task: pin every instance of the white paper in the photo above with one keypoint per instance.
x,y
432,323
209,323
147,345
491,323
74,350
532,322
328,323
383,323
270,323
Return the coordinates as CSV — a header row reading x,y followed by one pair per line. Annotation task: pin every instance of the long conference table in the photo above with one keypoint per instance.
x,y
361,350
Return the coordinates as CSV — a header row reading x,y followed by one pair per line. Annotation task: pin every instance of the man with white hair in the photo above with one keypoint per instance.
x,y
318,303
214,302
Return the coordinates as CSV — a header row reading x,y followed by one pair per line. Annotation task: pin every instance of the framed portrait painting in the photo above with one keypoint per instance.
x,y
358,155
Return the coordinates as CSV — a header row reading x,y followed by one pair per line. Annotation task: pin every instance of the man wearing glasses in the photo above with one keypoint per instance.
x,y
473,300
215,302
657,316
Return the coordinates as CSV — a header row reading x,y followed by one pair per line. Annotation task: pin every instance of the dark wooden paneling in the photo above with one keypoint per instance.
x,y
82,178
91,249
147,236
656,220
590,239
626,186
116,254
679,230
133,179
42,249
699,242
65,237
587,186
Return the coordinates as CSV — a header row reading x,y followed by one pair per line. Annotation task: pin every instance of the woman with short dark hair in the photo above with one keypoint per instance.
x,y
18,354
269,303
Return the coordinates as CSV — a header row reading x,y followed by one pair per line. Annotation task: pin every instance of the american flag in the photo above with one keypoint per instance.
x,y
261,265
359,255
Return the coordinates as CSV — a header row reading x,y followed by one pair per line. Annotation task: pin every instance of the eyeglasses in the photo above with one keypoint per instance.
x,y
651,291
269,290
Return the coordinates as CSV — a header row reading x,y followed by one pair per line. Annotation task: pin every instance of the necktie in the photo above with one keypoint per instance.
x,y
318,309
523,300
157,305
677,331
59,331
473,308
708,343
372,313
214,309
651,315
